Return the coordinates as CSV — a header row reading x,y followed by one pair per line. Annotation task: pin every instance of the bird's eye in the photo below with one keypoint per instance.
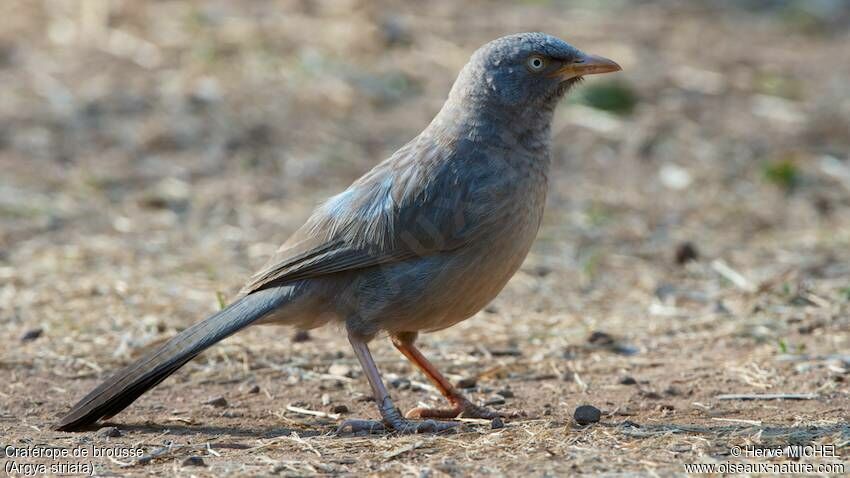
x,y
536,63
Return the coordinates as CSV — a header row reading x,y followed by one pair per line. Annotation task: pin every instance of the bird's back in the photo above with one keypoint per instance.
x,y
468,210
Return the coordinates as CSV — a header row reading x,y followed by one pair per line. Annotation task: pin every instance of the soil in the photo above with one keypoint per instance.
x,y
153,155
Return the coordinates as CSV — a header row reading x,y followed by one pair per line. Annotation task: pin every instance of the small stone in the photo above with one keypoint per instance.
x,y
31,334
194,461
109,432
301,336
602,339
628,380
507,393
672,391
467,382
651,395
507,352
254,389
218,402
685,252
665,291
587,414
326,399
823,206
340,408
495,400
341,370
720,308
623,349
420,387
395,32
497,423
400,383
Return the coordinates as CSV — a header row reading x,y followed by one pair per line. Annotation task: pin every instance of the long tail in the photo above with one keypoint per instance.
x,y
121,389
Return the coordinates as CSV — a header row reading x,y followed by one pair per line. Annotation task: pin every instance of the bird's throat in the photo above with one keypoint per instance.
x,y
528,129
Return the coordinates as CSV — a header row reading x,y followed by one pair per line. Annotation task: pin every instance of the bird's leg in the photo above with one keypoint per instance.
x,y
461,406
391,416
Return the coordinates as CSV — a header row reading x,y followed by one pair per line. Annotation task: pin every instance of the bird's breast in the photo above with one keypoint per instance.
x,y
476,275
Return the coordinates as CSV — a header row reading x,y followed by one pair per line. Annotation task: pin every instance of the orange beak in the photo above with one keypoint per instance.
x,y
586,65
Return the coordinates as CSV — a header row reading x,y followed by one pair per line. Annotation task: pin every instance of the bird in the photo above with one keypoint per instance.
x,y
422,241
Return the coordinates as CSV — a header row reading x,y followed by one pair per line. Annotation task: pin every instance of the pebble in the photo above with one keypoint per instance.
x,y
400,383
194,461
467,382
686,252
31,335
507,393
672,391
301,336
495,400
497,423
340,408
601,339
219,402
508,352
628,380
341,370
109,432
587,414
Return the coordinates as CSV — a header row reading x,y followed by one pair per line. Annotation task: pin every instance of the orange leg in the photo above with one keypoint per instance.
x,y
391,418
461,406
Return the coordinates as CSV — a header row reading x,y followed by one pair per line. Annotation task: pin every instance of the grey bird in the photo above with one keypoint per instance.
x,y
421,242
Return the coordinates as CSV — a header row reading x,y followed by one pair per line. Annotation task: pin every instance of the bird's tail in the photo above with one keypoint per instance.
x,y
124,387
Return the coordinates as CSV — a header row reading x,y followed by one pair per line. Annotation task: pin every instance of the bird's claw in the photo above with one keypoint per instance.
x,y
355,426
463,409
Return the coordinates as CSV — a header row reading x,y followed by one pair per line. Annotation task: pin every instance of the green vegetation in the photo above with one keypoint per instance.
x,y
783,173
614,96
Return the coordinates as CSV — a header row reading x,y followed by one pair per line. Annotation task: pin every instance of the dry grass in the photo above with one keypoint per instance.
x,y
153,155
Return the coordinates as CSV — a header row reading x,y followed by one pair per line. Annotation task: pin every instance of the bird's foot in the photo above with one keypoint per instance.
x,y
393,421
462,408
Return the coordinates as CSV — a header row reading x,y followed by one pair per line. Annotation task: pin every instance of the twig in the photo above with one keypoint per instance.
x,y
211,451
402,450
297,439
807,357
159,452
314,413
738,420
768,396
733,276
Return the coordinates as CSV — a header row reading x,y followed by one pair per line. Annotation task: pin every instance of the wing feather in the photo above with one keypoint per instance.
x,y
413,204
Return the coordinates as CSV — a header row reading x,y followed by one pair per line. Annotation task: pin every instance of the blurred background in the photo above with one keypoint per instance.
x,y
154,154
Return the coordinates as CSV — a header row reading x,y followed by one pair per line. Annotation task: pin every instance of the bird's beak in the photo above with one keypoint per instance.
x,y
586,64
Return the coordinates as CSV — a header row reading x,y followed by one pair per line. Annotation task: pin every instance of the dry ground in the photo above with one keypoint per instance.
x,y
153,154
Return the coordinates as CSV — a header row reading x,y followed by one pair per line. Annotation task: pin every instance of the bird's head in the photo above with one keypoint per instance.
x,y
526,70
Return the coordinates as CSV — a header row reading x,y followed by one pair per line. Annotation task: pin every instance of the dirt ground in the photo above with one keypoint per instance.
x,y
696,243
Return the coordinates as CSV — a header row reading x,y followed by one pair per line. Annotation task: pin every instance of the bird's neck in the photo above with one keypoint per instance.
x,y
527,130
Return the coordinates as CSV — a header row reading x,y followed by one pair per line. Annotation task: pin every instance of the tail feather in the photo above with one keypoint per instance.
x,y
128,384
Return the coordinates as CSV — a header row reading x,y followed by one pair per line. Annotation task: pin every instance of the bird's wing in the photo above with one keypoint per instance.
x,y
423,200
